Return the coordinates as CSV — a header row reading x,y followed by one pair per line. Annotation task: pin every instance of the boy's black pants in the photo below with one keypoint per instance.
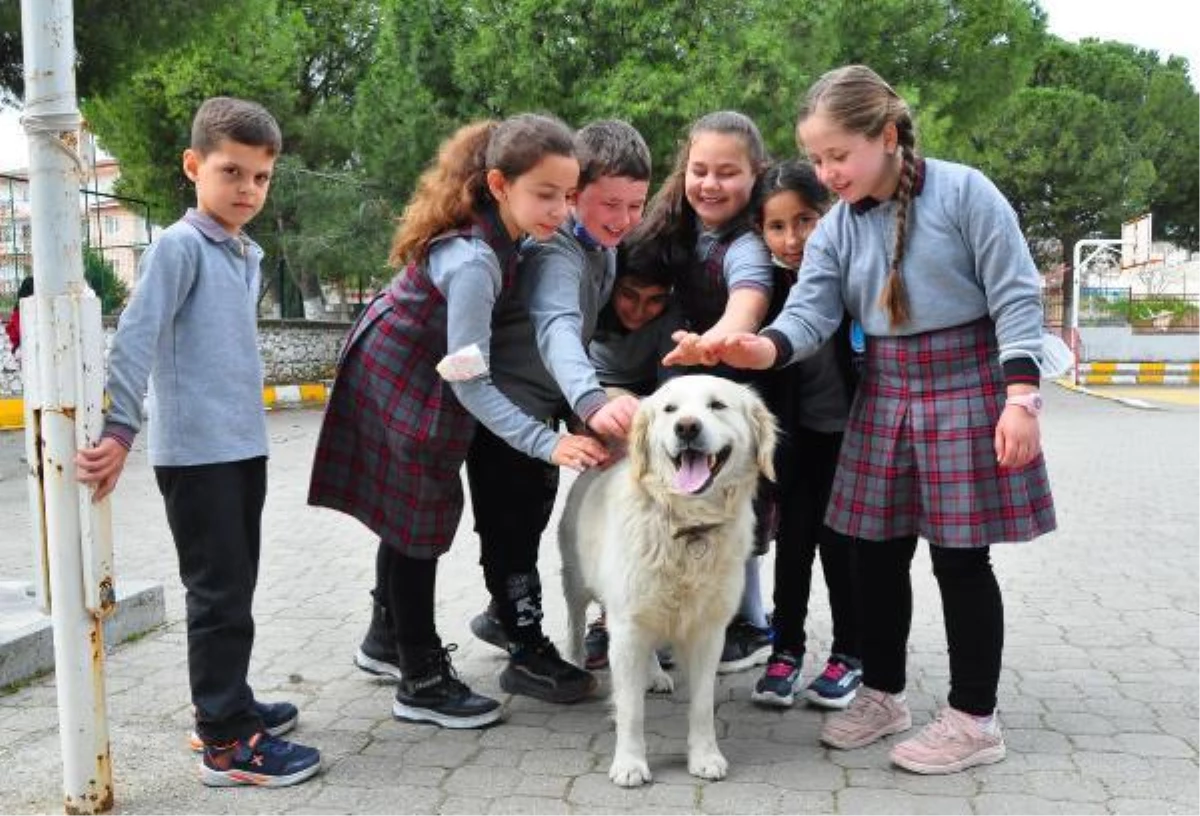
x,y
215,515
512,498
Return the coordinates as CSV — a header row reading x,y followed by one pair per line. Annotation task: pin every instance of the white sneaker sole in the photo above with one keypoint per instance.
x,y
831,703
229,779
771,699
376,667
984,756
751,660
423,715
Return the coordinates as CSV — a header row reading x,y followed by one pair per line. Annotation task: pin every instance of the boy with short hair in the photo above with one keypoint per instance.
x,y
190,331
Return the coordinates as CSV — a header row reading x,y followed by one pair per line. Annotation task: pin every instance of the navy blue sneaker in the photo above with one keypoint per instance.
x,y
277,720
777,686
836,686
261,760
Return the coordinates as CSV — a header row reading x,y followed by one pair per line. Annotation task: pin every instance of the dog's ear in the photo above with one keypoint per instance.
x,y
639,441
762,421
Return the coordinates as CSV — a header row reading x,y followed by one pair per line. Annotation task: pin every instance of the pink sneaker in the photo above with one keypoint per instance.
x,y
871,715
951,743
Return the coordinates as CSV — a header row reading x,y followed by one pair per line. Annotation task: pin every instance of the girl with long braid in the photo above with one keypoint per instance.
x,y
943,439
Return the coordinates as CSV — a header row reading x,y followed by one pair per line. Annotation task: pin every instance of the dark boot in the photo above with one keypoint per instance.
x,y
378,654
535,668
487,627
430,691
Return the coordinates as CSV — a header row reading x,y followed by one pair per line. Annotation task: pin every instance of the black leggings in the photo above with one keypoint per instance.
x,y
806,467
971,607
407,586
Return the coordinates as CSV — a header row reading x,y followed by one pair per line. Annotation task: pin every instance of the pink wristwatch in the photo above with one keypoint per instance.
x,y
1031,402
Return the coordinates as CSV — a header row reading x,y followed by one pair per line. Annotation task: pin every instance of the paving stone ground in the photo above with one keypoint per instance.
x,y
1098,696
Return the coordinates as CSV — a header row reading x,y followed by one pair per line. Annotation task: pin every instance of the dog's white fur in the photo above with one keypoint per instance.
x,y
668,565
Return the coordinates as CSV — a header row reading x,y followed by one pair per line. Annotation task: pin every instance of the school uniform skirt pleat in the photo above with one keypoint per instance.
x,y
919,457
394,437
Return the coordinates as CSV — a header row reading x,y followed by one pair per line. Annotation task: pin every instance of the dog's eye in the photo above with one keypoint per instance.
x,y
717,405
670,408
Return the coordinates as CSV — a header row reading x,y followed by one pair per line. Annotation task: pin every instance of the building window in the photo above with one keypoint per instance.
x,y
112,225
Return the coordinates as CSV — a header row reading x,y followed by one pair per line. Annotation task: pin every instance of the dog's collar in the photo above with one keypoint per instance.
x,y
695,531
694,538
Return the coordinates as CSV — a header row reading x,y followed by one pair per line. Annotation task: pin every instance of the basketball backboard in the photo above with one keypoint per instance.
x,y
1135,241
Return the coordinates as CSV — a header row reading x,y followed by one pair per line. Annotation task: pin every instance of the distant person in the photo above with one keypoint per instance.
x,y
13,328
190,331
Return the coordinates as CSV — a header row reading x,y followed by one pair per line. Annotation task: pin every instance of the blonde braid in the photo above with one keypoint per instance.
x,y
895,296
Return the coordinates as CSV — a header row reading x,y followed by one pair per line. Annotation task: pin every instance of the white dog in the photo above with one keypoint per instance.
x,y
661,539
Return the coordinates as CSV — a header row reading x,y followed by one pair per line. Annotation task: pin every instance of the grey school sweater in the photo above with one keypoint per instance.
x,y
190,333
540,333
965,258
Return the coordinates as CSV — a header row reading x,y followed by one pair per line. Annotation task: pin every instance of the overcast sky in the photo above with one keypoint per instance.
x,y
1154,24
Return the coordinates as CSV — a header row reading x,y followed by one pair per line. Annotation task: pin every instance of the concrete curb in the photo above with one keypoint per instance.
x,y
1103,372
12,409
27,637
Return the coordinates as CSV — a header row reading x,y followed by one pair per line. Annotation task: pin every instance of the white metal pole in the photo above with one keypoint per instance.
x,y
51,122
1075,271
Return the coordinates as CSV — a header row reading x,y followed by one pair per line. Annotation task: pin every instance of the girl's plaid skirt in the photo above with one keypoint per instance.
x,y
394,437
918,456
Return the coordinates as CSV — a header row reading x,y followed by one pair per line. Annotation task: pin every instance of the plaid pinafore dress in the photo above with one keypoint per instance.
x,y
918,456
394,436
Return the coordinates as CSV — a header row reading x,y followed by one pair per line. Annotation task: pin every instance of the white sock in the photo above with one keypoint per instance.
x,y
752,604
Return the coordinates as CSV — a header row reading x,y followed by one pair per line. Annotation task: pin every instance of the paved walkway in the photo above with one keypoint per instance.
x,y
1098,695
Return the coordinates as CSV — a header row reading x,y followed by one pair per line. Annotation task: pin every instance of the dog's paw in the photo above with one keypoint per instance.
x,y
629,772
707,764
660,682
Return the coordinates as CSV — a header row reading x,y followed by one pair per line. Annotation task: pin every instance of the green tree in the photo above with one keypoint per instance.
x,y
112,37
104,281
1104,133
304,60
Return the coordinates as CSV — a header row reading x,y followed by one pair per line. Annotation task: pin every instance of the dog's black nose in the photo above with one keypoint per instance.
x,y
687,428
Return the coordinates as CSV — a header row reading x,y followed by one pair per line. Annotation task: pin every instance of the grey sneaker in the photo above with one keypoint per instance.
x,y
871,716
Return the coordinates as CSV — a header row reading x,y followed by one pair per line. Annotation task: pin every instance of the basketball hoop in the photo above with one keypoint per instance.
x,y
1135,242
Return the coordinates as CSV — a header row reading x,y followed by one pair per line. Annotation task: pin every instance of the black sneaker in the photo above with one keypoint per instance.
x,y
436,695
261,760
745,646
378,653
277,720
487,627
777,686
595,645
536,670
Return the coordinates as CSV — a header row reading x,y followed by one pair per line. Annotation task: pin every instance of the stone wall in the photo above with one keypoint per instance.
x,y
293,352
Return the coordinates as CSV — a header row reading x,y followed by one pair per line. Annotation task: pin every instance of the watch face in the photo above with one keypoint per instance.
x,y
1036,402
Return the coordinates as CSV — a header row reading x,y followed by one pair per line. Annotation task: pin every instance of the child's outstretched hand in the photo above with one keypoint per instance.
x,y
101,466
1018,437
615,418
579,452
690,350
745,350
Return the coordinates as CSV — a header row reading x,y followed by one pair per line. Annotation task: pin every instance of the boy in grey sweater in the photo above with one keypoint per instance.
x,y
190,334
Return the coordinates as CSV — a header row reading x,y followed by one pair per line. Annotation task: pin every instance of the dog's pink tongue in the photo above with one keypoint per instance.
x,y
693,472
